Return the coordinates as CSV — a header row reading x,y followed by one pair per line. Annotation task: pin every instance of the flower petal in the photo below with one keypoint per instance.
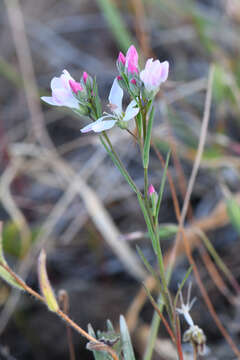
x,y
56,83
115,97
50,100
65,77
103,125
65,98
131,111
132,57
94,124
165,70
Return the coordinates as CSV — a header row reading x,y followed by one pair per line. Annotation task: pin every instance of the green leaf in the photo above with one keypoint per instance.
x,y
128,353
162,184
45,285
116,23
233,210
147,142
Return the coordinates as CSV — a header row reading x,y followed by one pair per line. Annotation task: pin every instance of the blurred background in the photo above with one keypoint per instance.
x,y
60,191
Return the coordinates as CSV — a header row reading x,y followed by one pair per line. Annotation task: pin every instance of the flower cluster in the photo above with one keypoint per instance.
x,y
82,97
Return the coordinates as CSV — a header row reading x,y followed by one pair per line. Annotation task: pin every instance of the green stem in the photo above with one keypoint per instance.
x,y
146,184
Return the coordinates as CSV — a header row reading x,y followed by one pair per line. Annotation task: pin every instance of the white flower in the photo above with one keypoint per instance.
x,y
154,74
107,121
185,308
62,94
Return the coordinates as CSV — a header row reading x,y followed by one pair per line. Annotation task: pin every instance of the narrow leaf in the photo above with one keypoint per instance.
x,y
45,285
128,353
147,142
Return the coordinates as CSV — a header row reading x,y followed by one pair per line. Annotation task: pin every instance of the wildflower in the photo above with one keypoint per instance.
x,y
118,116
62,92
154,74
128,63
194,334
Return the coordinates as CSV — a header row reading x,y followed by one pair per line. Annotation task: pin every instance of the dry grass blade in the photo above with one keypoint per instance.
x,y
26,65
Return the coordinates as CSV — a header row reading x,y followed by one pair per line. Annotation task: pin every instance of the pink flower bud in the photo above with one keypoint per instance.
x,y
151,190
132,60
85,76
75,86
121,58
154,74
133,81
119,78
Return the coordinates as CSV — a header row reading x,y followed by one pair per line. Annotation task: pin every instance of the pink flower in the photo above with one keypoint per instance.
x,y
132,60
85,76
133,81
154,74
75,86
62,94
121,58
